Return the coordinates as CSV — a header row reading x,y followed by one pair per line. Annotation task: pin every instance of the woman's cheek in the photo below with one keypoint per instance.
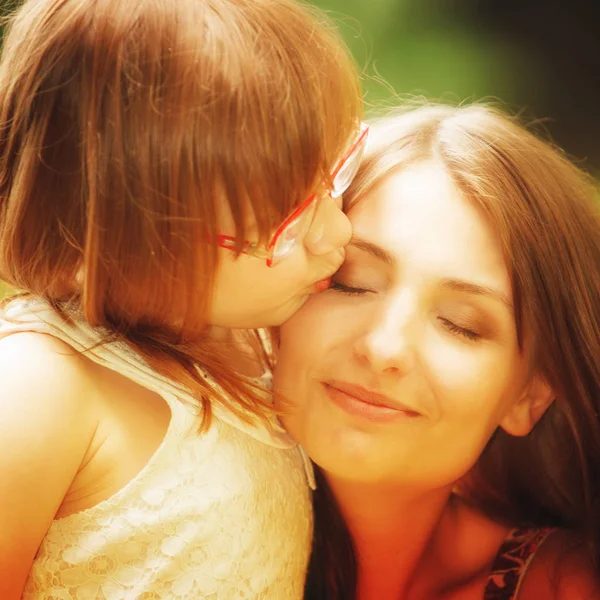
x,y
468,379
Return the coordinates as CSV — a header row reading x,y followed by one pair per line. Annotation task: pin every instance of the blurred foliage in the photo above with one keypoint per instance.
x,y
3,289
416,47
541,64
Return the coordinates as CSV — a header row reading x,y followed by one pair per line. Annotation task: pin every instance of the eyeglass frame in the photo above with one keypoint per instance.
x,y
266,252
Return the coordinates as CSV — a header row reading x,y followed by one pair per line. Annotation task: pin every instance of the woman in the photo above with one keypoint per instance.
x,y
448,384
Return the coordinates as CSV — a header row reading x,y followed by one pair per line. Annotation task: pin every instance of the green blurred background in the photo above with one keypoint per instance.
x,y
542,58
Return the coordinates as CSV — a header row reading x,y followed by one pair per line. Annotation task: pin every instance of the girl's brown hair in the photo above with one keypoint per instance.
x,y
543,210
128,127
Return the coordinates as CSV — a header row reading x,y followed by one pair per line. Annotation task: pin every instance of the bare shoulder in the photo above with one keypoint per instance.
x,y
45,429
562,569
45,415
38,370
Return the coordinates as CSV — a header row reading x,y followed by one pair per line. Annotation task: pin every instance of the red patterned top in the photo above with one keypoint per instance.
x,y
512,561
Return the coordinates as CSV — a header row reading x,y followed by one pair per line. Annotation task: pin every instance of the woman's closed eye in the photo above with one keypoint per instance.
x,y
464,332
348,289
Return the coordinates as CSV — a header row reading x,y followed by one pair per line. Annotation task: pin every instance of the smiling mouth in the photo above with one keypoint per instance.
x,y
366,405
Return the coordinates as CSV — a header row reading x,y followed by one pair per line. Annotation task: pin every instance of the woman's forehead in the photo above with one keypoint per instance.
x,y
419,215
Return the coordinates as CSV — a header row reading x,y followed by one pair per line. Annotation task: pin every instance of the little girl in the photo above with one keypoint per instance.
x,y
168,170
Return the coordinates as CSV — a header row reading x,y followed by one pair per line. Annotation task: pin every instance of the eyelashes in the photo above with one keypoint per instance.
x,y
462,331
348,290
450,326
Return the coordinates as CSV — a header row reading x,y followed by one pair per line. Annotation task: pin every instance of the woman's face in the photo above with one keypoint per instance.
x,y
401,372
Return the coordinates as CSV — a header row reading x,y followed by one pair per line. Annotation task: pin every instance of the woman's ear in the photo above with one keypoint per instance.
x,y
523,414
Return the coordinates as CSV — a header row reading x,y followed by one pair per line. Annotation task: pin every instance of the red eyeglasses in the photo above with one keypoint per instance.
x,y
298,223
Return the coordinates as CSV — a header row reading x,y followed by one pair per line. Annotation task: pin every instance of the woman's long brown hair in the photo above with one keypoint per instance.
x,y
544,212
128,126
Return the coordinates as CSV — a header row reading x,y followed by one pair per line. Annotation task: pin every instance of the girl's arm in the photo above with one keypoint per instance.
x,y
45,428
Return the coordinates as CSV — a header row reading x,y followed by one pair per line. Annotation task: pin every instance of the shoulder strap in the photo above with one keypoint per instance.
x,y
512,561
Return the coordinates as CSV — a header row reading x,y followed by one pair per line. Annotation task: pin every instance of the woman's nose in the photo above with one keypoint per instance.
x,y
387,345
330,229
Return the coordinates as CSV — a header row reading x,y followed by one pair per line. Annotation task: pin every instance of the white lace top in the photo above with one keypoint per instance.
x,y
220,515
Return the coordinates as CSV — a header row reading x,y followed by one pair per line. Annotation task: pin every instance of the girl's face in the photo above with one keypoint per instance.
x,y
403,369
249,294
307,249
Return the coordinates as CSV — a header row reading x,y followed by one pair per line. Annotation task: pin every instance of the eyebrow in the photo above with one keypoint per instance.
x,y
373,249
479,290
458,285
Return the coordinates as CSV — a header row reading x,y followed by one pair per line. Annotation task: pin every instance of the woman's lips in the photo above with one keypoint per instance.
x,y
363,403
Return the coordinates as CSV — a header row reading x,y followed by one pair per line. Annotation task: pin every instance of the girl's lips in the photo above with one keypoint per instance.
x,y
322,285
